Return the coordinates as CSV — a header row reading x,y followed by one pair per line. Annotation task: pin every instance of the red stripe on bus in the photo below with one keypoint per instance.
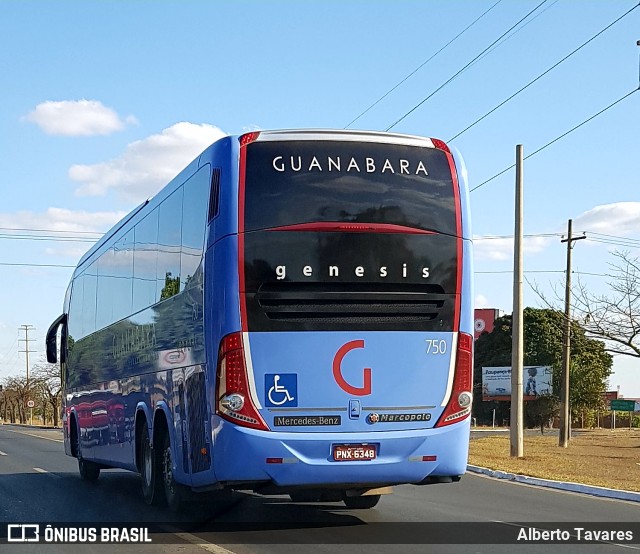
x,y
338,226
458,210
241,276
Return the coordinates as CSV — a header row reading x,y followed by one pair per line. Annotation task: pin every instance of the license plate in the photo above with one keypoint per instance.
x,y
354,452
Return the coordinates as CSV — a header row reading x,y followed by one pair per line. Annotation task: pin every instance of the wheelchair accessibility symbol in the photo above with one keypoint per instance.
x,y
281,389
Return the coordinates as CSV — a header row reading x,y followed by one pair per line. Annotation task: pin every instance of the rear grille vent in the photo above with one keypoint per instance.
x,y
351,303
214,194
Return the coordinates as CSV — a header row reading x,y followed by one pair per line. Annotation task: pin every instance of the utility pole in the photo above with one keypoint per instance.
x,y
517,334
27,340
565,408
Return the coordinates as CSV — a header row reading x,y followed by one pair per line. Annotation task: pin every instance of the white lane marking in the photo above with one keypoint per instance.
x,y
208,546
40,470
32,435
3,453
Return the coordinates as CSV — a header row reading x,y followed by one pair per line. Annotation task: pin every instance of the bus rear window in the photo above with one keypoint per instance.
x,y
296,182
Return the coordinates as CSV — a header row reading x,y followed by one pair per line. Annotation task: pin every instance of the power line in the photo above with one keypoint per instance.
x,y
544,271
421,65
515,32
592,236
464,68
44,237
47,230
611,236
591,274
558,138
615,240
529,271
534,235
615,243
542,74
13,345
35,265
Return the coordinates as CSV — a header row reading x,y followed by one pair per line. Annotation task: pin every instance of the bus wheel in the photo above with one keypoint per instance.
x,y
360,502
151,485
175,493
89,471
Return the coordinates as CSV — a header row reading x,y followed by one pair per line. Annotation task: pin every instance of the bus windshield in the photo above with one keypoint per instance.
x,y
298,182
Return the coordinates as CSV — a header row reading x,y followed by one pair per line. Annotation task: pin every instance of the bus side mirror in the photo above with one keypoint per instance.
x,y
52,350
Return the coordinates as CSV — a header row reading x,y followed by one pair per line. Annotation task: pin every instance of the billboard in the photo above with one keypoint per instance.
x,y
483,320
496,382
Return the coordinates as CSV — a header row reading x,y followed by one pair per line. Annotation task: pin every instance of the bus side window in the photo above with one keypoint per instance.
x,y
145,262
194,223
169,245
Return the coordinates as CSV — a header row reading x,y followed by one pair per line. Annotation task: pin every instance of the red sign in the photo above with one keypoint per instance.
x,y
483,320
609,396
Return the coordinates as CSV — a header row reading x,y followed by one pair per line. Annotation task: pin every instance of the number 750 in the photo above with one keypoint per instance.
x,y
436,346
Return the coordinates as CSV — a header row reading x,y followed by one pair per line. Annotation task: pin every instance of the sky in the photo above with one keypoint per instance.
x,y
102,103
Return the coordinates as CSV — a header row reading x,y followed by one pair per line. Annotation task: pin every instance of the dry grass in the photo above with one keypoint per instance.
x,y
601,457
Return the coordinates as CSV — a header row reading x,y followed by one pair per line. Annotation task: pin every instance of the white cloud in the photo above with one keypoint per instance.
x,y
77,231
146,165
67,252
85,226
78,118
60,219
481,301
618,219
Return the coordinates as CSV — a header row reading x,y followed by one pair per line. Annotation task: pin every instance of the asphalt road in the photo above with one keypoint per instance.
x,y
39,484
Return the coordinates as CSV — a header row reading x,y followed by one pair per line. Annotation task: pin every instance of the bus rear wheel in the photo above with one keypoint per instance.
x,y
89,471
360,502
175,493
149,470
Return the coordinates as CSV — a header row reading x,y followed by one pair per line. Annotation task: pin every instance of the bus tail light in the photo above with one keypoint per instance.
x,y
248,138
233,398
459,405
440,145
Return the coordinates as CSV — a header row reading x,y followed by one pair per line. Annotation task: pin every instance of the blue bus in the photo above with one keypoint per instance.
x,y
291,314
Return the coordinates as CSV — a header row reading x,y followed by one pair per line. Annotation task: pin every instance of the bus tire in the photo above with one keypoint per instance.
x,y
361,502
149,470
175,493
89,471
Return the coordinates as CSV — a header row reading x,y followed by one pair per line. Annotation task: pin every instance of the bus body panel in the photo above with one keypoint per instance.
x,y
467,296
294,459
343,381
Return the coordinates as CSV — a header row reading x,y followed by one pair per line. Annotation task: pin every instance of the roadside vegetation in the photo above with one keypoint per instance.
x,y
602,457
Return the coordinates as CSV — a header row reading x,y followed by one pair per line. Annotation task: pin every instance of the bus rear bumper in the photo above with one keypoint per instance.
x,y
307,459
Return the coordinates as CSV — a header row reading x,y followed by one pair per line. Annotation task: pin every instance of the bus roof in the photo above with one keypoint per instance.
x,y
348,135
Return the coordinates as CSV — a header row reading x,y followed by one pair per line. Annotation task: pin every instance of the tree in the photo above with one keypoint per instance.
x,y
171,286
8,403
613,317
17,395
48,382
543,328
541,410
